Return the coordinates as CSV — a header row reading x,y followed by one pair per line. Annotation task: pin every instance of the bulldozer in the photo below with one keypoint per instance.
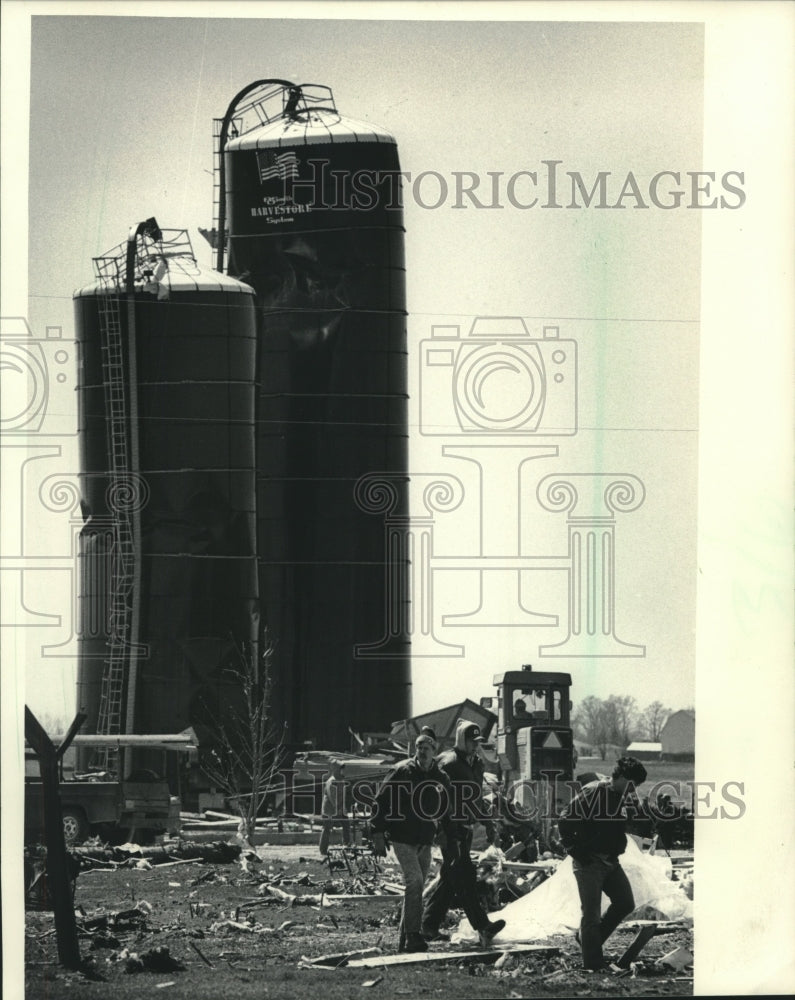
x,y
534,745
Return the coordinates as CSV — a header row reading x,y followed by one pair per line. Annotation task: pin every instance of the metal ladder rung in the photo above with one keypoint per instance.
x,y
119,611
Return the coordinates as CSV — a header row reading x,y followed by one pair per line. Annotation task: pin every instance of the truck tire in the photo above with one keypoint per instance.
x,y
75,827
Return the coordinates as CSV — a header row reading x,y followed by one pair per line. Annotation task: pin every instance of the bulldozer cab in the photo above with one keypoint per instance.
x,y
537,703
531,698
534,738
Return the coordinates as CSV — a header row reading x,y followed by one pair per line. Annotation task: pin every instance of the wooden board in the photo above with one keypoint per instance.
x,y
342,897
341,958
439,957
548,867
642,938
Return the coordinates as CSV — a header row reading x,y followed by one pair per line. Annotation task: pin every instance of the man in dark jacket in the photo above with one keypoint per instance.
x,y
593,832
457,881
415,796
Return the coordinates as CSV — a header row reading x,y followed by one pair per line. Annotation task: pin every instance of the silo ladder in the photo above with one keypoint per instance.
x,y
113,679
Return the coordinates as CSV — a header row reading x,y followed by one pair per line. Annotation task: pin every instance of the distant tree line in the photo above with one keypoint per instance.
x,y
617,721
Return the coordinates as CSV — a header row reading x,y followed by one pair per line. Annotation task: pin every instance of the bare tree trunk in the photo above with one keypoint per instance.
x,y
247,751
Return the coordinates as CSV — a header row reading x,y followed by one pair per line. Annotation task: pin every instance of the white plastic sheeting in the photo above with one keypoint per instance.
x,y
554,907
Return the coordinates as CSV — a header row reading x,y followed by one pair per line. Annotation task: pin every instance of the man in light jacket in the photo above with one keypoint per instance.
x,y
336,806
413,798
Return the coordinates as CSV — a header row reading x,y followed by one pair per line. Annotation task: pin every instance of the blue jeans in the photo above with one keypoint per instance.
x,y
594,878
415,862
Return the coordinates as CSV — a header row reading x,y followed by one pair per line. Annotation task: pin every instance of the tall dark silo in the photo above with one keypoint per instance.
x,y
310,203
168,589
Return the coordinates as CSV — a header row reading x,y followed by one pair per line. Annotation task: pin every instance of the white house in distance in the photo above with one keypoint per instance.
x,y
644,751
678,736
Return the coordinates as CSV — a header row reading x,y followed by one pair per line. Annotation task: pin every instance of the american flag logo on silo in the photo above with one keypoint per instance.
x,y
276,165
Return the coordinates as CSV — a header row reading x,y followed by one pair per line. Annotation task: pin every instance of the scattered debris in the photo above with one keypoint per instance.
x,y
132,919
268,888
660,926
341,958
250,861
641,939
253,904
236,925
181,861
154,960
383,897
217,852
309,899
208,876
201,955
103,939
678,959
37,890
120,937
356,860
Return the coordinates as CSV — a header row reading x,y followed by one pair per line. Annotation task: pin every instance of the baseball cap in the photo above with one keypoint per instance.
x,y
472,732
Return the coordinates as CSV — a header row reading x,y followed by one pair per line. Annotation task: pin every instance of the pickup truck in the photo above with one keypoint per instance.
x,y
107,808
113,808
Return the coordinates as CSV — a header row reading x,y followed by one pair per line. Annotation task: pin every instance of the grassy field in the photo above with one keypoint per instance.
x,y
678,772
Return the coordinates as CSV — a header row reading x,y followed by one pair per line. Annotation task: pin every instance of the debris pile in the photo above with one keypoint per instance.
x,y
153,960
501,881
554,908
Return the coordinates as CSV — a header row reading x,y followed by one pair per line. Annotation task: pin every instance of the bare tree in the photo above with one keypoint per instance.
x,y
652,720
590,721
246,748
621,716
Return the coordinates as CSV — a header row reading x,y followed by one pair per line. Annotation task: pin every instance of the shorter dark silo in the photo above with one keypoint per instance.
x,y
168,590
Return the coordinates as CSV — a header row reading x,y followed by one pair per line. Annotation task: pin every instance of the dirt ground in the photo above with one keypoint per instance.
x,y
202,931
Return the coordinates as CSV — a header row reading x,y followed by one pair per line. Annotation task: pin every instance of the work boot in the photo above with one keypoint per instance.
x,y
415,942
435,936
491,930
